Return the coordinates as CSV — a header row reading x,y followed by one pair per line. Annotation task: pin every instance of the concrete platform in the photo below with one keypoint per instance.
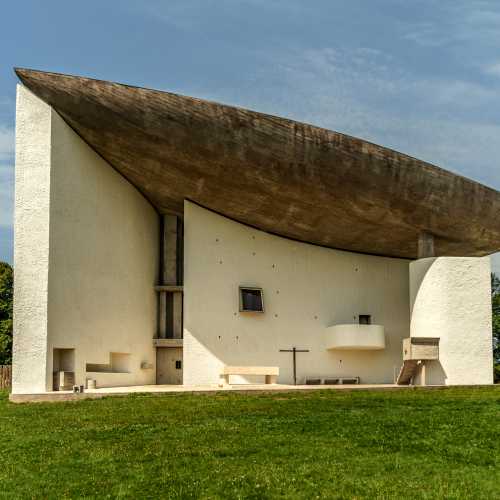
x,y
199,389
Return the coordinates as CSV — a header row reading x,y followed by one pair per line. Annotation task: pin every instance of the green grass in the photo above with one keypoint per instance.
x,y
326,444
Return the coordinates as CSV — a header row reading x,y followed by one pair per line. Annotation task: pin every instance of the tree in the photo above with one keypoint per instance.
x,y
6,299
495,302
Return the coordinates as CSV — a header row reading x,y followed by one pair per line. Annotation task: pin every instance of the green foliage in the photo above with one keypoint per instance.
x,y
496,372
6,299
407,443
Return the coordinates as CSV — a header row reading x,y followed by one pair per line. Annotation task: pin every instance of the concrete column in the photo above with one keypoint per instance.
x,y
32,366
170,303
177,315
162,323
170,257
425,245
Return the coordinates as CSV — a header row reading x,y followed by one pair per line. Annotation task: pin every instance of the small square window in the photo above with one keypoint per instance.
x,y
365,319
251,299
178,364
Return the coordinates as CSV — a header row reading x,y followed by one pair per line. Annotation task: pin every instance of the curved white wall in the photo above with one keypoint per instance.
x,y
86,257
306,289
450,299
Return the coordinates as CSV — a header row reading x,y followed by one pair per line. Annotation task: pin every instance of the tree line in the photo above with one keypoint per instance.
x,y
6,300
7,295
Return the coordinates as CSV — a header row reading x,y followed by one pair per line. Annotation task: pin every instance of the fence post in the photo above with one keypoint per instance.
x,y
5,376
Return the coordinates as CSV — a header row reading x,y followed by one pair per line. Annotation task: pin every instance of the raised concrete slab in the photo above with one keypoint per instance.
x,y
281,176
205,389
168,342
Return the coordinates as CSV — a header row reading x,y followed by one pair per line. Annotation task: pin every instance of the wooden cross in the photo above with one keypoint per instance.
x,y
294,350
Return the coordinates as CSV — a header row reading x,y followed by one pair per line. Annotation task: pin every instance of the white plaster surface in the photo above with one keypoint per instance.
x,y
355,337
450,299
87,257
31,242
306,289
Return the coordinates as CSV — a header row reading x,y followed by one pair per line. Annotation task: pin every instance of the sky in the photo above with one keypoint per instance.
x,y
421,77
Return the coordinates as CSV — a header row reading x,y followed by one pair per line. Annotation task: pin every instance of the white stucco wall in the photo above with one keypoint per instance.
x,y
31,242
306,289
89,248
450,298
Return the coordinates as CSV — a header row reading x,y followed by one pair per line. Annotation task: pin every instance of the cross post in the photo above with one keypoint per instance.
x,y
294,351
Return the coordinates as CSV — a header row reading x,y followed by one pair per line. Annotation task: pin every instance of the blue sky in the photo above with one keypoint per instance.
x,y
422,77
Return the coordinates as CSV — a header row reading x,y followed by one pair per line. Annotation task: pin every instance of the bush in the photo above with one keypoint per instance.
x,y
6,300
496,373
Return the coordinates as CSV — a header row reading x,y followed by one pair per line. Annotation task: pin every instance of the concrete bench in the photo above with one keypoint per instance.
x,y
269,372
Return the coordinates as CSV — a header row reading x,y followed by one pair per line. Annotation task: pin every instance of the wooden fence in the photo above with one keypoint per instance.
x,y
5,376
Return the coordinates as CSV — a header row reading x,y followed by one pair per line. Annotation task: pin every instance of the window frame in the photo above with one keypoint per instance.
x,y
368,317
241,288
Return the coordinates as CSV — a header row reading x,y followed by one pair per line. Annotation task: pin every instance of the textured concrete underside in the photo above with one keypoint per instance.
x,y
281,176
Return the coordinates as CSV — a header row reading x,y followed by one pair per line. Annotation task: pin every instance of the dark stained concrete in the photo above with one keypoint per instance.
x,y
281,176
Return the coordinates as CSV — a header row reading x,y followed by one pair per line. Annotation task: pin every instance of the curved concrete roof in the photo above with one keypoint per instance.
x,y
281,176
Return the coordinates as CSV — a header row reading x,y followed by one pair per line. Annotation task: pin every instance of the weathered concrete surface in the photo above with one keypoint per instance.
x,y
284,177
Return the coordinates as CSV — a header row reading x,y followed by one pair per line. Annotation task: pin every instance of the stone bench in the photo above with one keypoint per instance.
x,y
269,372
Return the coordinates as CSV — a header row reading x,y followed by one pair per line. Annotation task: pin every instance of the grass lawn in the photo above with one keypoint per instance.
x,y
325,444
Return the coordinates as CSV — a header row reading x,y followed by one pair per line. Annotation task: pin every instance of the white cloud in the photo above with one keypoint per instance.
x,y
492,69
427,34
450,24
6,194
495,263
5,102
6,143
6,175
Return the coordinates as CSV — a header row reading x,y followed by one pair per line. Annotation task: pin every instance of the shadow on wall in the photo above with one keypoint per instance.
x,y
208,355
204,365
434,374
418,279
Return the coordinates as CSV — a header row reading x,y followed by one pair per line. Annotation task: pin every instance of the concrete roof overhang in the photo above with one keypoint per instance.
x,y
275,174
